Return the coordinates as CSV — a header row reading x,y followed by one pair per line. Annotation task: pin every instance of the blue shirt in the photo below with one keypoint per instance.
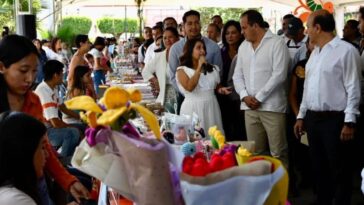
x,y
213,56
42,60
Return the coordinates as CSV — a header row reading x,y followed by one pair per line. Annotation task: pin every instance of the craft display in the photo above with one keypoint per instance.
x,y
188,168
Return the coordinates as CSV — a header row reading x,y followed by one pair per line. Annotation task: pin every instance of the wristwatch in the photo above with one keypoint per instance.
x,y
349,124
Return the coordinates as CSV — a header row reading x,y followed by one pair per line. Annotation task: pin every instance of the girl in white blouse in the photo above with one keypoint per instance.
x,y
197,81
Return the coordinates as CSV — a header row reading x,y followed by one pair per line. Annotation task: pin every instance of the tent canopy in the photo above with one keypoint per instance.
x,y
204,3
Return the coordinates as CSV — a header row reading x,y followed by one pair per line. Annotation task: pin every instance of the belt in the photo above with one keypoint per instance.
x,y
324,114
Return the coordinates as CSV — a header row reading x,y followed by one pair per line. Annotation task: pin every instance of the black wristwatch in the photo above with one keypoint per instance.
x,y
349,124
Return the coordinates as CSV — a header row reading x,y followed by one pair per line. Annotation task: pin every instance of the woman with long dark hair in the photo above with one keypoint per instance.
x,y
81,80
156,71
232,118
18,68
22,158
197,80
42,60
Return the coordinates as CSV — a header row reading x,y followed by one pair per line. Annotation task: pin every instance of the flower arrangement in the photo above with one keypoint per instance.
x,y
113,111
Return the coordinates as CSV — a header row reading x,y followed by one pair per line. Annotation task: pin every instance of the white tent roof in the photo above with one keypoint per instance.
x,y
202,3
272,10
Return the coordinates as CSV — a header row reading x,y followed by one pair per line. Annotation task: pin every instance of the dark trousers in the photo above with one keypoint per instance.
x,y
233,119
180,99
299,166
330,157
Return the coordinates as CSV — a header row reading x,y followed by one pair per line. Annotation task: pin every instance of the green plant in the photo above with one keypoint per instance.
x,y
45,34
81,25
7,11
117,25
71,26
66,34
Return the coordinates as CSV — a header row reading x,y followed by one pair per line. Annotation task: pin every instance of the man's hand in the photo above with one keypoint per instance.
x,y
78,191
251,102
299,128
225,90
347,133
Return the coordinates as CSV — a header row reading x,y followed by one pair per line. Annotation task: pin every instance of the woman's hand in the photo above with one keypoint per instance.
x,y
201,61
78,191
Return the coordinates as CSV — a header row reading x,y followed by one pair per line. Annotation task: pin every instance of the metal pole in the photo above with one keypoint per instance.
x,y
125,25
54,17
16,18
30,6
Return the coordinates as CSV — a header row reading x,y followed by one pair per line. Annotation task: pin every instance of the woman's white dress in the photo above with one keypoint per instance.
x,y
202,99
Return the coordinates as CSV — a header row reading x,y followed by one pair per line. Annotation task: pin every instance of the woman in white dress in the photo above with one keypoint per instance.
x,y
156,71
197,80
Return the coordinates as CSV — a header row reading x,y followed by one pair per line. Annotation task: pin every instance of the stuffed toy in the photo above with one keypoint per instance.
x,y
188,148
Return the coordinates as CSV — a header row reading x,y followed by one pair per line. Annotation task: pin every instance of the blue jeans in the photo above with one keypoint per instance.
x,y
68,138
43,192
99,79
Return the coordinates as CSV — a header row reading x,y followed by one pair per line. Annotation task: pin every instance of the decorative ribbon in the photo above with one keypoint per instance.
x,y
100,134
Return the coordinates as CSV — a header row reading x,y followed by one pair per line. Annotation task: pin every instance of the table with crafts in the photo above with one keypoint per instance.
x,y
138,161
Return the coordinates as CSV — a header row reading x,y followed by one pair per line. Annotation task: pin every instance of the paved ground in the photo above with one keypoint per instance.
x,y
306,195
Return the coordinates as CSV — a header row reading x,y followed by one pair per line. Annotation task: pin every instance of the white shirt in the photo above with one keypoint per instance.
x,y
293,47
160,67
11,195
262,73
96,54
140,54
51,55
332,80
220,44
49,100
149,54
301,54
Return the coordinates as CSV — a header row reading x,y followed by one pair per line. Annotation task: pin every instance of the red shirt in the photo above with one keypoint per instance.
x,y
33,107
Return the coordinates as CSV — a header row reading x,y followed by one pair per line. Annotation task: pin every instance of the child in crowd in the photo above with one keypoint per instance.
x,y
90,61
82,77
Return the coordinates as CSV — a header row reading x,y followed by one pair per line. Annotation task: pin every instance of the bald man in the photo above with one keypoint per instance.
x,y
329,108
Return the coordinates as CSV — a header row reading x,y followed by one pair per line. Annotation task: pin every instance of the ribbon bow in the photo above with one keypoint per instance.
x,y
97,135
117,101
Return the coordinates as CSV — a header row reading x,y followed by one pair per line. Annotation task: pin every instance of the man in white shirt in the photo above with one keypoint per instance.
x,y
282,32
169,22
157,31
295,31
59,133
217,20
329,108
147,34
213,32
259,79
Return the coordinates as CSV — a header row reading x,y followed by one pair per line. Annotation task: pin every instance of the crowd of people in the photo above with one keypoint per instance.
x,y
251,83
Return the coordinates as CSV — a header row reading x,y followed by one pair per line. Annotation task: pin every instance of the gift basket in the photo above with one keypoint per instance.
x,y
200,169
216,172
